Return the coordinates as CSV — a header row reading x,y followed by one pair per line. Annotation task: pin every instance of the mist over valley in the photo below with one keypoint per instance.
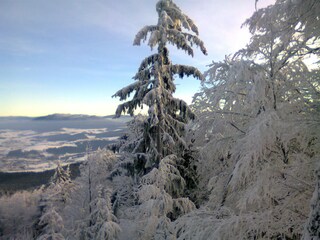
x,y
36,144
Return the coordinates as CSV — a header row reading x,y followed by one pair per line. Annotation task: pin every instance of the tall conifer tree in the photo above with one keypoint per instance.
x,y
154,83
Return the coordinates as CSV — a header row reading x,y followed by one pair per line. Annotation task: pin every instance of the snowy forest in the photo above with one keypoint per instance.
x,y
241,162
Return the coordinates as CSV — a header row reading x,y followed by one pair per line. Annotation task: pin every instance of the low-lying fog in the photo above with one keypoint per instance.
x,y
29,144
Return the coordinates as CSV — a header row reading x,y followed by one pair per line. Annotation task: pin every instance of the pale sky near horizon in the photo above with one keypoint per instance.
x,y
71,56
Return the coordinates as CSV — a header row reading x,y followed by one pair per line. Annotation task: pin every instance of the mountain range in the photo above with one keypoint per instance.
x,y
62,117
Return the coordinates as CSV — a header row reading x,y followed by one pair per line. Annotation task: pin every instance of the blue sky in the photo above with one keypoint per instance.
x,y
71,56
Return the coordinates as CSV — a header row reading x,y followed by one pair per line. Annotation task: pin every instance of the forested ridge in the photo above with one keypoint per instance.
x,y
241,162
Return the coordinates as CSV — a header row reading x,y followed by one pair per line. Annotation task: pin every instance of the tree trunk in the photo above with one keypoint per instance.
x,y
158,137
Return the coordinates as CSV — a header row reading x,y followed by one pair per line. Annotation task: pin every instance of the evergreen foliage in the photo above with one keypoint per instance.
x,y
52,204
154,83
52,225
156,196
90,215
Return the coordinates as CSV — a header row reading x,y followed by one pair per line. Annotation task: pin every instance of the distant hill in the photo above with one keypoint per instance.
x,y
58,116
67,117
62,117
12,118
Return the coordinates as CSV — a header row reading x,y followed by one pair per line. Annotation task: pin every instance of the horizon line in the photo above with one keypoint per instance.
x,y
70,114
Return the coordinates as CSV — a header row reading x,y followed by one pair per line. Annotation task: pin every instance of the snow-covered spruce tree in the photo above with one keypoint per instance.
x,y
50,224
93,173
154,83
259,113
103,222
158,189
158,201
61,185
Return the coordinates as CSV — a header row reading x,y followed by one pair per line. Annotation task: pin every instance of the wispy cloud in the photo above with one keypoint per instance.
x,y
20,46
64,42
